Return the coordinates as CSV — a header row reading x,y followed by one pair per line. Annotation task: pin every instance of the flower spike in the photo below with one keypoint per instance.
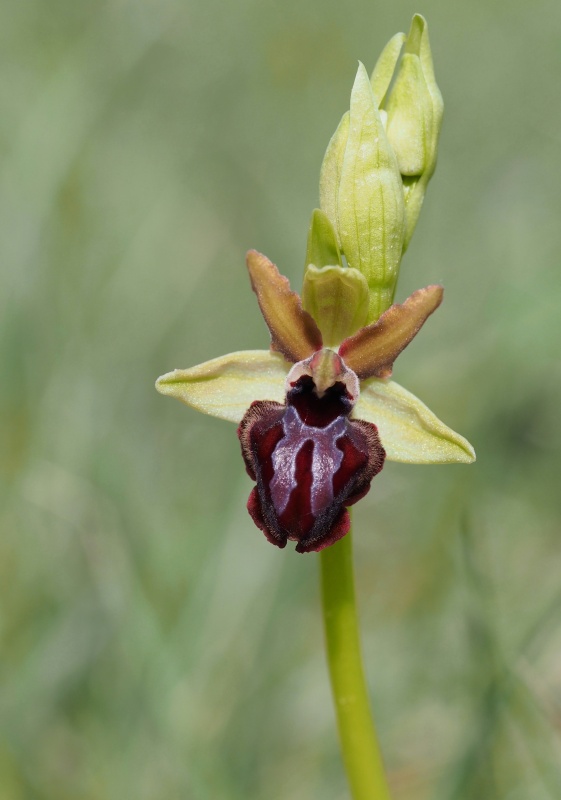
x,y
294,332
372,351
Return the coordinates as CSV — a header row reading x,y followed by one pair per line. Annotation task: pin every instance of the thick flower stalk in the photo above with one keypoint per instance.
x,y
318,413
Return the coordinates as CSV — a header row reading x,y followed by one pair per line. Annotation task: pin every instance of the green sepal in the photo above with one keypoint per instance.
x,y
322,249
383,71
225,387
418,44
409,124
408,430
415,102
370,205
330,174
337,298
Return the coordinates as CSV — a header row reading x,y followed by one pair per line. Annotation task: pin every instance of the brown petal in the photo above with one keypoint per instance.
x,y
293,331
372,350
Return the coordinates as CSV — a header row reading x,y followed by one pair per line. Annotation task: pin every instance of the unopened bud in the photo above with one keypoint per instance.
x,y
414,107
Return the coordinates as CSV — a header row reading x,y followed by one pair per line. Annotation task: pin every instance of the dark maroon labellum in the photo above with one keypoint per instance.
x,y
310,462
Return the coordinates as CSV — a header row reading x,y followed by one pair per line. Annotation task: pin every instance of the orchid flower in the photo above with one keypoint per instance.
x,y
316,423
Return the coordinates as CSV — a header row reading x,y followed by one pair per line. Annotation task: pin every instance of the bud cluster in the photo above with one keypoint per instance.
x,y
372,184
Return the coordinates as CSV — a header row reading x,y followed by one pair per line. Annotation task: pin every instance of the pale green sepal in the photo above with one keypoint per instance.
x,y
322,249
330,174
418,42
225,387
415,187
409,123
371,211
409,431
337,298
383,71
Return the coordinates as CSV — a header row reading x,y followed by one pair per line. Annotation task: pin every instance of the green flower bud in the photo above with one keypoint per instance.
x,y
414,117
362,194
409,112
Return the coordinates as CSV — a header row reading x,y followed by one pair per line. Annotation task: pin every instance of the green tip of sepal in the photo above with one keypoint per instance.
x,y
409,431
383,71
415,35
414,118
418,44
338,299
322,249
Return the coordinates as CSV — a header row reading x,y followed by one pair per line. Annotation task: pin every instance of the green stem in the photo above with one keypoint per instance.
x,y
359,745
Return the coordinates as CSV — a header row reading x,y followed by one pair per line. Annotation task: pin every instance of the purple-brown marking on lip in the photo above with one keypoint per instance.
x,y
310,462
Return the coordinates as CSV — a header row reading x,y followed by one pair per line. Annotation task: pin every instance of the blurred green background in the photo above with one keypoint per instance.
x,y
153,644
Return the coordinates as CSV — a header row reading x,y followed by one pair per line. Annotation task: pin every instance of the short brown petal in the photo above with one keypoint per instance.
x,y
293,331
372,350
